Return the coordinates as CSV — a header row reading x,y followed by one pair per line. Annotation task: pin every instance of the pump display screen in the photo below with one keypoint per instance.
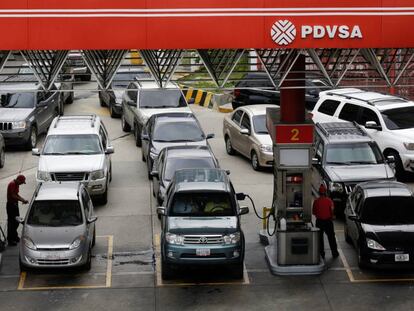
x,y
294,157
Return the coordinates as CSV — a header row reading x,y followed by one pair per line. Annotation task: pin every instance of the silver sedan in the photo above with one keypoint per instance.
x,y
245,131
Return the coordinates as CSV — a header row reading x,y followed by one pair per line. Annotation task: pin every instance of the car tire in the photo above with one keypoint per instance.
x,y
167,272
104,197
110,173
125,126
346,235
112,112
237,270
88,264
32,142
142,156
70,99
102,103
137,134
255,161
229,147
361,263
2,157
149,169
399,168
94,237
22,267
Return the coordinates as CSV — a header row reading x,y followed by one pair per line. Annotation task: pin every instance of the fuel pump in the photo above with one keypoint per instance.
x,y
294,248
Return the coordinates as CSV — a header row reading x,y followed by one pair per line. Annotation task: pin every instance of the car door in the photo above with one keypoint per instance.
x,y
87,207
145,142
353,225
349,112
159,168
105,143
368,114
317,169
244,139
52,99
42,112
234,128
129,103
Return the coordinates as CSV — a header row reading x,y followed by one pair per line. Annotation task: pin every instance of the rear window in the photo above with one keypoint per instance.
x,y
161,99
329,107
55,213
389,210
202,204
174,164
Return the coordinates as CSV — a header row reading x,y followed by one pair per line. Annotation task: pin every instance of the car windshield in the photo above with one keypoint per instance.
x,y
259,124
399,118
72,144
174,164
389,210
178,132
353,154
55,213
17,100
122,79
161,99
202,205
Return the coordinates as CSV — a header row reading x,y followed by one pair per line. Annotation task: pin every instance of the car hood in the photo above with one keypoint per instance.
x,y
118,95
264,139
148,112
158,146
14,114
392,236
357,173
71,163
53,237
202,225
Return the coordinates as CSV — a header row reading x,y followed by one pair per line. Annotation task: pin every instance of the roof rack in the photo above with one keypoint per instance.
x,y
341,128
370,102
91,117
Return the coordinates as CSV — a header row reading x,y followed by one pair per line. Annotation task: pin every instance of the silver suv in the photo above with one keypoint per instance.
x,y
59,228
77,148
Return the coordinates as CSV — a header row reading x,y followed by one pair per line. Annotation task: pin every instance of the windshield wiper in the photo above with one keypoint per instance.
x,y
55,153
79,152
338,163
361,162
262,132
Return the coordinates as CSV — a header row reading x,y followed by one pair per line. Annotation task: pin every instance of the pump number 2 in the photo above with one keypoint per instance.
x,y
295,134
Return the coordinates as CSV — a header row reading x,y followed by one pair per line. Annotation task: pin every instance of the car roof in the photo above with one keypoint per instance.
x,y
385,188
77,124
189,152
258,109
153,85
174,119
342,132
30,85
57,191
205,179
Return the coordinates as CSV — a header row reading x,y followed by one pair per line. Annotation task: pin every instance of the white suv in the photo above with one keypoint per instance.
x,y
77,148
389,120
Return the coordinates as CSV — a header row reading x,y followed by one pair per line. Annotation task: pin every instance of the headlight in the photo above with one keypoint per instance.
x,y
97,174
409,146
372,244
153,153
266,148
19,125
233,238
335,187
44,176
77,242
174,239
29,243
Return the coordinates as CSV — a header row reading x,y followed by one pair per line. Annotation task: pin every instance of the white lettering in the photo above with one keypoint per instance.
x,y
318,32
356,32
343,32
331,30
306,30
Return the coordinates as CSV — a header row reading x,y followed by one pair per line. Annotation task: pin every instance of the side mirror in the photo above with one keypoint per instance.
x,y
243,210
161,210
35,152
144,136
228,172
19,219
92,219
210,136
353,217
42,104
240,196
390,159
316,161
244,132
373,125
131,103
191,101
155,174
109,150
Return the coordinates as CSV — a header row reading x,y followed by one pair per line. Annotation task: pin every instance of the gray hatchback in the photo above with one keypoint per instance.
x,y
59,228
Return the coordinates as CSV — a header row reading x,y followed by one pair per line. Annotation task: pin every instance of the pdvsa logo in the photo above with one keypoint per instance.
x,y
283,32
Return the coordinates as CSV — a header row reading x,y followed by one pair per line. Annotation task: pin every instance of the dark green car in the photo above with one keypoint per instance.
x,y
201,222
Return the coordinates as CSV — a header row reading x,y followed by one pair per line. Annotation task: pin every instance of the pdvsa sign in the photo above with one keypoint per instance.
x,y
284,32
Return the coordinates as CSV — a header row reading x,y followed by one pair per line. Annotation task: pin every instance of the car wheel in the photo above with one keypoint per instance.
x,y
237,270
112,112
104,197
399,168
229,147
94,237
2,157
255,161
102,103
137,134
166,271
61,109
31,143
346,235
70,99
149,168
110,173
88,264
142,156
361,263
22,267
125,126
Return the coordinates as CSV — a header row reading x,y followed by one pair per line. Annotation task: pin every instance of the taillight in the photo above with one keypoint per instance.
x,y
236,93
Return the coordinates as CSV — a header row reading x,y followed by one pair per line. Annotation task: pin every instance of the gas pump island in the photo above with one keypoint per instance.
x,y
294,248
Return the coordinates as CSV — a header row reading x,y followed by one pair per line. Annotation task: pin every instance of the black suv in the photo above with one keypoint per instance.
x,y
380,224
344,156
256,88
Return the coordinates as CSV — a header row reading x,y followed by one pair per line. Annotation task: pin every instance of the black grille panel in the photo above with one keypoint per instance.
x,y
203,239
75,176
5,126
217,255
55,262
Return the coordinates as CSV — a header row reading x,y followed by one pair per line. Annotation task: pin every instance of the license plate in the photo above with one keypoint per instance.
x,y
203,252
402,257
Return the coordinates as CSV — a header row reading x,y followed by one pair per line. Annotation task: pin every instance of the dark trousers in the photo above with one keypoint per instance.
x,y
326,226
12,224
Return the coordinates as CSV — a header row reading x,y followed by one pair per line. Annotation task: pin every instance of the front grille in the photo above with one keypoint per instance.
x,y
349,188
215,255
75,176
5,126
55,262
52,249
203,239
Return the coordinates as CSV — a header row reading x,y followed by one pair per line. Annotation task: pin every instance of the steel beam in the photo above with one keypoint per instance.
x,y
4,56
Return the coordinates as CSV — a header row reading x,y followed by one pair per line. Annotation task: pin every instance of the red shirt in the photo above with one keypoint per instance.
x,y
323,208
12,188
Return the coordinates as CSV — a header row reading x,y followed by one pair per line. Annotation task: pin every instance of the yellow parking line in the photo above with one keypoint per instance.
x,y
108,283
346,265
